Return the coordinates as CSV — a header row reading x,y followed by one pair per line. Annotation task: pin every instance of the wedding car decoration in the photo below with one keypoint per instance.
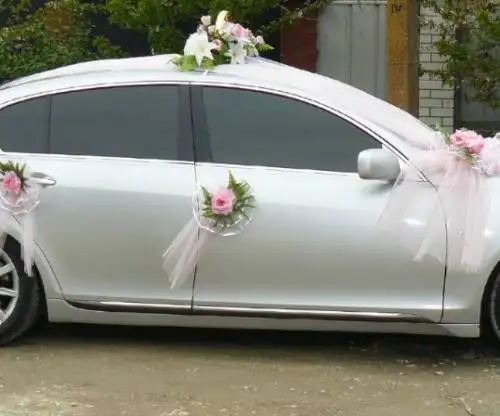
x,y
19,196
224,212
457,165
220,43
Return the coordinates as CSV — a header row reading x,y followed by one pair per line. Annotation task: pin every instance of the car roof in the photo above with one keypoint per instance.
x,y
258,72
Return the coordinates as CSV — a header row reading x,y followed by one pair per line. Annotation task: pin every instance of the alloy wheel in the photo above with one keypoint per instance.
x,y
9,287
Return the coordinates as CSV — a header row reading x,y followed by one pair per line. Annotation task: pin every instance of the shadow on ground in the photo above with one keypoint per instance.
x,y
372,347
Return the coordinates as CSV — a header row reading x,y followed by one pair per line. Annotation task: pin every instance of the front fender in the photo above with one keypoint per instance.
x,y
464,291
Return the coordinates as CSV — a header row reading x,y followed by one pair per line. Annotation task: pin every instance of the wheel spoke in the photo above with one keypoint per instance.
x,y
10,293
9,286
6,269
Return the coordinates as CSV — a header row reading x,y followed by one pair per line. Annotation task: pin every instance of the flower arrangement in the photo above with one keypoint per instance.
x,y
465,143
19,196
228,205
220,43
14,179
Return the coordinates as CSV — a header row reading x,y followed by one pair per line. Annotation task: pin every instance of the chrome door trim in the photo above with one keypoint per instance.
x,y
86,87
132,307
291,313
245,312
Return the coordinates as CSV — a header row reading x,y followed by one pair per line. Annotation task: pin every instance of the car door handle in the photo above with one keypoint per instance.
x,y
43,179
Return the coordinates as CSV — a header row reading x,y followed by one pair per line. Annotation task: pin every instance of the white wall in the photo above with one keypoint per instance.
x,y
436,100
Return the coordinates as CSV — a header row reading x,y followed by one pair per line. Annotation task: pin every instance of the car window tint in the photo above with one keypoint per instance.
x,y
136,122
24,126
254,128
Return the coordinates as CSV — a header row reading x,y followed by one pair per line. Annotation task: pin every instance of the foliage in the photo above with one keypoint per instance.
x,y
56,34
469,42
244,200
167,22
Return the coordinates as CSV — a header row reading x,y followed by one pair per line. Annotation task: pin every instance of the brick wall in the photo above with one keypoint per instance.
x,y
298,41
436,101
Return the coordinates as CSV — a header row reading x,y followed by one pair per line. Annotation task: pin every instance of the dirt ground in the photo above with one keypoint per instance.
x,y
103,371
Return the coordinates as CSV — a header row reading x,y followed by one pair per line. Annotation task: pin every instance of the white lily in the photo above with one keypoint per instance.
x,y
199,46
221,20
237,53
206,20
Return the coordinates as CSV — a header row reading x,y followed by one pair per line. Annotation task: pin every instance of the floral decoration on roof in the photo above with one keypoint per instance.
x,y
224,42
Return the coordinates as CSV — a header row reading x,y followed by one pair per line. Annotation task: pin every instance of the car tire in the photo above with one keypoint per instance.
x,y
28,306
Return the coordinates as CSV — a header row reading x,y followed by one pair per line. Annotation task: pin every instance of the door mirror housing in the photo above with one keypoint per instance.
x,y
378,164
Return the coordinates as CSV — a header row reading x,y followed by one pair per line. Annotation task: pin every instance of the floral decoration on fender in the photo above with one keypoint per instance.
x,y
224,212
469,145
19,196
457,165
221,43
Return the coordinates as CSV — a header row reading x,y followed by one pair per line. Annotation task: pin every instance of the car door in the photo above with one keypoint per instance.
x,y
123,161
313,248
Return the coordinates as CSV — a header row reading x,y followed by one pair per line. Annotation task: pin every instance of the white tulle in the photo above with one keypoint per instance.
x,y
460,191
28,242
180,259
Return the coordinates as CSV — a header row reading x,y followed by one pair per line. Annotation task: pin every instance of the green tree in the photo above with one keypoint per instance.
x,y
56,34
469,42
166,22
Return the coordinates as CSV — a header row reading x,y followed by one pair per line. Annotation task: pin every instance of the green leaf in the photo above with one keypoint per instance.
x,y
187,63
264,47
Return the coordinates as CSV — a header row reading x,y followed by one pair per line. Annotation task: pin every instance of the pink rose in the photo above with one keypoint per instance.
x,y
239,31
216,44
12,183
475,144
223,201
259,40
459,139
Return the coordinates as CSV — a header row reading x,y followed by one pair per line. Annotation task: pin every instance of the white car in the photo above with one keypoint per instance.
x,y
120,147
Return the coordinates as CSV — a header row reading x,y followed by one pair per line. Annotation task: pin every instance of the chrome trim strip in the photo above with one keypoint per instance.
x,y
289,313
244,312
86,87
132,307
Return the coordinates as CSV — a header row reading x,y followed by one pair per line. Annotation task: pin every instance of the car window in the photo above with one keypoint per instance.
x,y
254,128
25,126
136,122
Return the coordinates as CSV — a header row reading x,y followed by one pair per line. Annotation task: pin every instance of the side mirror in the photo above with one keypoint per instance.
x,y
378,164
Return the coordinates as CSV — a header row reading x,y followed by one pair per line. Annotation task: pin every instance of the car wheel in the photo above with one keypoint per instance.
x,y
21,296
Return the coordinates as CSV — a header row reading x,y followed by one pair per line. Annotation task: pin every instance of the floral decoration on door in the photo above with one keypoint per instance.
x,y
224,212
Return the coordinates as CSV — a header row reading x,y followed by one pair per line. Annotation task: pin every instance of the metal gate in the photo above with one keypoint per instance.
x,y
352,44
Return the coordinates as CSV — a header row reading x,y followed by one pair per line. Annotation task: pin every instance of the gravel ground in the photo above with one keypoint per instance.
x,y
107,371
